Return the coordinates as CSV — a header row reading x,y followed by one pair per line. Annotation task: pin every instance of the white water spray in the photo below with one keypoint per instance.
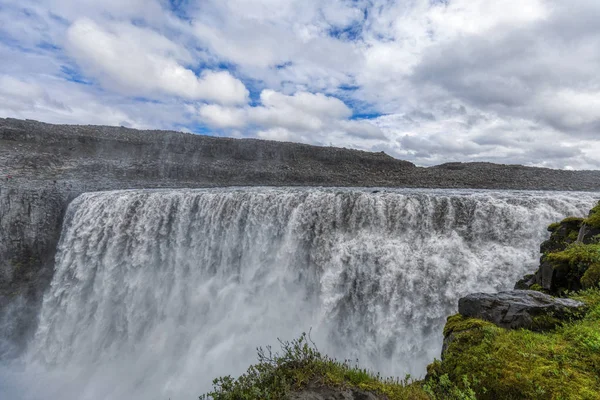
x,y
158,292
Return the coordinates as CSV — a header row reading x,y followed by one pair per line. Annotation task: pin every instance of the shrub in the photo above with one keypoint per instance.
x,y
300,364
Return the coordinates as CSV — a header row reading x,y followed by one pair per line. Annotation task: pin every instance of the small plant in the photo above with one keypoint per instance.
x,y
300,364
275,374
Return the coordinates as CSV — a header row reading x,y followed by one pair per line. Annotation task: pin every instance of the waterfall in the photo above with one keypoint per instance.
x,y
157,292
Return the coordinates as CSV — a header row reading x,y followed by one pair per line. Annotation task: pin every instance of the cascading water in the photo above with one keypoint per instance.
x,y
155,293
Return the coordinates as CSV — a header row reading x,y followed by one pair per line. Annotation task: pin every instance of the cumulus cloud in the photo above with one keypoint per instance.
x,y
428,81
304,117
144,62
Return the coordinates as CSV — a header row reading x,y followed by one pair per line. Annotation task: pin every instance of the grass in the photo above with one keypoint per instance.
x,y
300,364
482,361
522,364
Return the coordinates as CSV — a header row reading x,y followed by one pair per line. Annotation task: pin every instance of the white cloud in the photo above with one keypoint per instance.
x,y
143,62
223,117
571,108
21,90
457,80
305,117
315,104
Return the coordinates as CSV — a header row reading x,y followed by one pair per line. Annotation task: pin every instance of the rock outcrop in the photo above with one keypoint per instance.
x,y
30,223
563,265
520,309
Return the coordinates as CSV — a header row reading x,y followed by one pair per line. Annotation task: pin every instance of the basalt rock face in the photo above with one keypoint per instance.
x,y
520,309
30,223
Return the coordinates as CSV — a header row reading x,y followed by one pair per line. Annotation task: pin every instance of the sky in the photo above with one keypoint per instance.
x,y
429,81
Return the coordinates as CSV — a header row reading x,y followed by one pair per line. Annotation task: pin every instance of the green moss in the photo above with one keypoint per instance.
x,y
572,236
521,364
576,260
591,277
563,233
545,323
458,323
554,226
536,287
594,218
572,220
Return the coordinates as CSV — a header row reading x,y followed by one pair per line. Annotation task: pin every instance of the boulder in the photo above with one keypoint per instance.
x,y
314,392
520,309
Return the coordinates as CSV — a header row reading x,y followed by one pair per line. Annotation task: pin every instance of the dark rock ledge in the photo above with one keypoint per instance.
x,y
516,309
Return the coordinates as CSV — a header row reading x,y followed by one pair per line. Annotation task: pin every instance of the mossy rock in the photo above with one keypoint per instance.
x,y
593,219
459,323
518,309
537,288
553,226
500,363
527,282
572,220
578,266
563,234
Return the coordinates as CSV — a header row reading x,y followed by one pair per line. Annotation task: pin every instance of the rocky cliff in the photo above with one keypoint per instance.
x,y
43,167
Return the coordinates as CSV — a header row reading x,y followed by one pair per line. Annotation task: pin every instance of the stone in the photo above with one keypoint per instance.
x,y
520,309
526,282
314,392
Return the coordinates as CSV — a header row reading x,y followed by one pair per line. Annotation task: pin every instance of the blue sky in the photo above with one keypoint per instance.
x,y
426,81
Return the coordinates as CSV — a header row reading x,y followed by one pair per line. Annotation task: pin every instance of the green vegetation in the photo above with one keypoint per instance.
x,y
563,234
579,261
572,220
521,364
594,218
537,288
300,364
459,323
553,226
